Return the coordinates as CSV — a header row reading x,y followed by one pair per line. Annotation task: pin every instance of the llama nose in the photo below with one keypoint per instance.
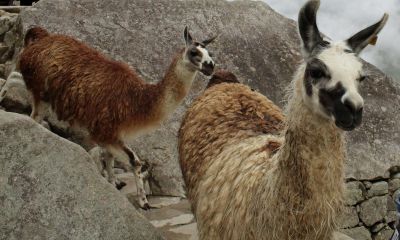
x,y
353,107
353,100
356,112
211,63
208,68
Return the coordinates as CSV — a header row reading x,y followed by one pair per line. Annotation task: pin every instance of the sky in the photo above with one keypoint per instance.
x,y
340,19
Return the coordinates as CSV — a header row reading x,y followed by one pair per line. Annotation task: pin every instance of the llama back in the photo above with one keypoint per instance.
x,y
79,82
224,112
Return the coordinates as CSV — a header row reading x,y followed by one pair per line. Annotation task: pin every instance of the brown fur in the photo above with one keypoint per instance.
x,y
86,88
34,34
222,76
253,174
230,111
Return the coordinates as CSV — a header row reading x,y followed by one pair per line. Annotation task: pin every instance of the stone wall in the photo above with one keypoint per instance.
x,y
370,212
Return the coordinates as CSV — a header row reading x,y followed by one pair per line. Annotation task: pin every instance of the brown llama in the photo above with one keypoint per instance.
x,y
103,96
252,173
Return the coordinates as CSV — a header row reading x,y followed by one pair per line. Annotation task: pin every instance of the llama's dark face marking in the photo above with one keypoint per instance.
x,y
333,71
346,115
331,86
198,55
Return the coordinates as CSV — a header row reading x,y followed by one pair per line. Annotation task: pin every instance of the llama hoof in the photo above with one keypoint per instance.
x,y
145,167
146,207
120,185
45,125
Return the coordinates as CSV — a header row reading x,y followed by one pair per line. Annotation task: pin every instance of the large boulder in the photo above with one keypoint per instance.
x,y
50,189
259,45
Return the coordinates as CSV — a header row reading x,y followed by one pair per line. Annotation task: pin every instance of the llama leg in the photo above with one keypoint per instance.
x,y
125,155
110,172
139,175
136,164
101,165
14,79
37,113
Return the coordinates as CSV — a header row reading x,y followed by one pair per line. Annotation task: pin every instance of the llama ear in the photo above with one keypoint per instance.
x,y
187,36
308,28
210,40
367,36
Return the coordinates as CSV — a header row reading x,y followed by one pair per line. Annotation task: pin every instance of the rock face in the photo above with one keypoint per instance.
x,y
260,46
49,189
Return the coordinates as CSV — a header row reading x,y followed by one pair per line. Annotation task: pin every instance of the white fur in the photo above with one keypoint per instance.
x,y
205,56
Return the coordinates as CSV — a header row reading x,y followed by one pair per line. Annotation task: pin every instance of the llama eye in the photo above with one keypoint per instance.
x,y
362,78
193,52
317,73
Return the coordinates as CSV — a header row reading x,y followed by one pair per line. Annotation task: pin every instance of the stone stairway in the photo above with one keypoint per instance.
x,y
171,215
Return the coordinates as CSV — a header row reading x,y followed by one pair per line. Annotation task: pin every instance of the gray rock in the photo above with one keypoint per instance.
x,y
391,216
373,210
358,233
390,203
18,99
397,175
10,38
367,184
2,71
385,234
3,49
49,189
354,193
378,189
394,184
340,236
348,218
377,227
4,24
260,46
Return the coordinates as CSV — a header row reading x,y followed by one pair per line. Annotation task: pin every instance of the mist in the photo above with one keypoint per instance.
x,y
340,19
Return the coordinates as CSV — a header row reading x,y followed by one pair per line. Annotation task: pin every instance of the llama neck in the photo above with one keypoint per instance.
x,y
176,84
310,162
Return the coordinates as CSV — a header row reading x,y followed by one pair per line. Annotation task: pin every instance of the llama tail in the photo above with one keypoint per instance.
x,y
34,34
13,80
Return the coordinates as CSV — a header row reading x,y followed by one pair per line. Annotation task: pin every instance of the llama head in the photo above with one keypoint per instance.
x,y
197,55
333,70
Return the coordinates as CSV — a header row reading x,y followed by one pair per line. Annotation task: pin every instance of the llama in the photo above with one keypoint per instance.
x,y
254,173
222,76
105,97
